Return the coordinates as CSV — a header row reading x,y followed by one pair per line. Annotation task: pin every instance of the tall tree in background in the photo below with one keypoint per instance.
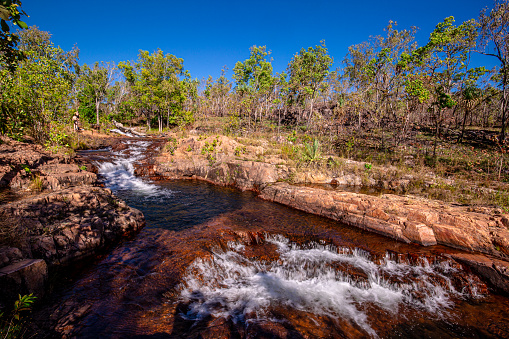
x,y
307,71
494,28
441,63
157,87
254,80
95,83
217,91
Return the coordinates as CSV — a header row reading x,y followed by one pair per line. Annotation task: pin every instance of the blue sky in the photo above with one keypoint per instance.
x,y
211,34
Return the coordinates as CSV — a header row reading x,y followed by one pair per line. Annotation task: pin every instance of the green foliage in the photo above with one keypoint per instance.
x,y
39,90
10,11
83,168
292,137
307,71
367,166
254,74
159,87
13,326
26,169
239,150
56,141
94,86
311,151
171,145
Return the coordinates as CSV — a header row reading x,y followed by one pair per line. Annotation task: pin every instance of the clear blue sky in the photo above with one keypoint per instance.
x,y
211,34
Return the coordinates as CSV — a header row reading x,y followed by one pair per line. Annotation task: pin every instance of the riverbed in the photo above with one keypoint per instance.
x,y
214,262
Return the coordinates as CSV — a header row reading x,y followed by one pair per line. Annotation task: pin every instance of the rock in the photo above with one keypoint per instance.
x,y
69,224
23,277
402,218
495,271
9,255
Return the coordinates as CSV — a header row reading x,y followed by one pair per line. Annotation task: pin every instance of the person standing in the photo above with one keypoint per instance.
x,y
75,120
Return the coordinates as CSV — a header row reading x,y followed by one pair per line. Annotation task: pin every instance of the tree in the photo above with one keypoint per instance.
x,y
157,87
217,91
375,69
95,83
254,80
307,71
10,11
494,37
442,62
40,89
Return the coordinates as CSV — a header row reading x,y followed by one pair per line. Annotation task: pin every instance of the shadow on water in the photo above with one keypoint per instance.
x,y
185,204
209,241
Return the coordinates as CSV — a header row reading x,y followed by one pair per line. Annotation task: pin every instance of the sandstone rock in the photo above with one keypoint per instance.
x,y
71,223
9,255
409,220
495,271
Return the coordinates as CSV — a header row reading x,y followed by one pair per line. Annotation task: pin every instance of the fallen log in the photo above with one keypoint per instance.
x,y
126,130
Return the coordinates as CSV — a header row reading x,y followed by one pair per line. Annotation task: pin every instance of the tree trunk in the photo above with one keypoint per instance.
x,y
504,115
310,111
97,111
464,123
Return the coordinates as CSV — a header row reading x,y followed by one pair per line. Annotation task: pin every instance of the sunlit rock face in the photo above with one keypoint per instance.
x,y
216,262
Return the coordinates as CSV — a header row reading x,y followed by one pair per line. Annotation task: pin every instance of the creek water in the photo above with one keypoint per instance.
x,y
214,262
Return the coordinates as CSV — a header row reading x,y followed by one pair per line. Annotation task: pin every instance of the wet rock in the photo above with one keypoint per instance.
x,y
495,271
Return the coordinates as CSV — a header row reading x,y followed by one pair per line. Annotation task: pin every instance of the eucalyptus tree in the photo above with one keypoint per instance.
x,y
156,84
254,80
441,63
307,72
94,83
217,92
494,37
374,69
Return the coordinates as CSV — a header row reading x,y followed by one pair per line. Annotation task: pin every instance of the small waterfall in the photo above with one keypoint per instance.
x,y
119,174
317,278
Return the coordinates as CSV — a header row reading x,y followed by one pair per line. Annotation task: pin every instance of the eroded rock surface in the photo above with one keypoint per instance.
x,y
26,166
68,224
221,160
58,215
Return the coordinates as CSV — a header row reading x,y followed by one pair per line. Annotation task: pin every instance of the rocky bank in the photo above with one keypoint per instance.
x,y
51,214
223,161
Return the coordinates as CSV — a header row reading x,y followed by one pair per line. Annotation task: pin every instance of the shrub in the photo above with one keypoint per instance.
x,y
13,326
311,152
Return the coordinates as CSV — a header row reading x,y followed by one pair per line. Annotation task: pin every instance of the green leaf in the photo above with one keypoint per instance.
x,y
4,13
22,24
5,27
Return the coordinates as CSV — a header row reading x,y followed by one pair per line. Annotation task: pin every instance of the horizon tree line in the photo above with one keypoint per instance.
x,y
387,84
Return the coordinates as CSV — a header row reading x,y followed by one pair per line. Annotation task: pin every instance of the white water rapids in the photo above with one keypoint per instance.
x,y
314,278
304,278
118,175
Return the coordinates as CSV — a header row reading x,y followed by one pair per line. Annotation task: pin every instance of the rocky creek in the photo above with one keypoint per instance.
x,y
216,262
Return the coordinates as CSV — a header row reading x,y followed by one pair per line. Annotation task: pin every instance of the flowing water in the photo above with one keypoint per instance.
x,y
214,262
